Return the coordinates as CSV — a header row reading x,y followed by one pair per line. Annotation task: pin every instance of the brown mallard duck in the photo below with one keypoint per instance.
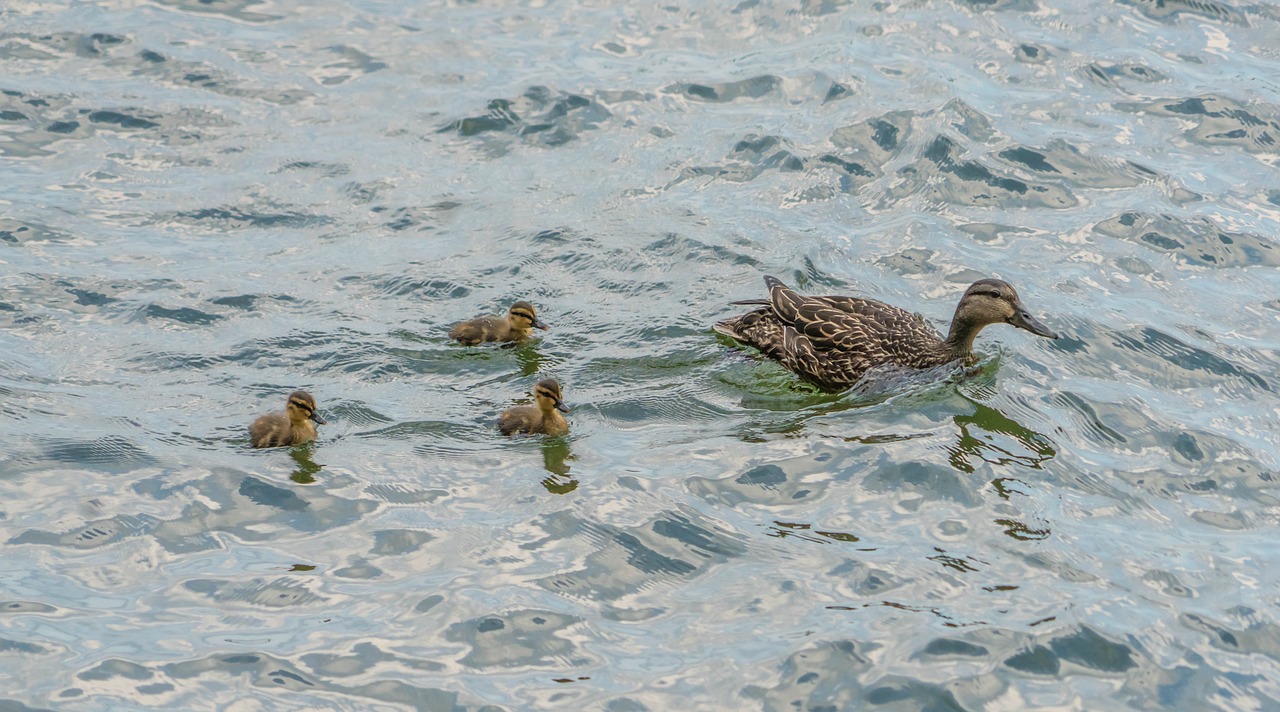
x,y
513,327
294,425
832,341
539,418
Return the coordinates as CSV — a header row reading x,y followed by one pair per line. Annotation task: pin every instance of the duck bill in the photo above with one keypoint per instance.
x,y
316,417
1023,320
541,324
560,406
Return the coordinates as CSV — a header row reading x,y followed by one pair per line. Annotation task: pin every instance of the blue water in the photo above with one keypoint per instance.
x,y
208,205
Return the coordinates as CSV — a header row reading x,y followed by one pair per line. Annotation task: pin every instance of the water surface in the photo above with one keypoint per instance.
x,y
210,204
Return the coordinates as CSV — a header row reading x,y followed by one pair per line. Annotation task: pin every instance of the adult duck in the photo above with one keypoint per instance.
x,y
832,342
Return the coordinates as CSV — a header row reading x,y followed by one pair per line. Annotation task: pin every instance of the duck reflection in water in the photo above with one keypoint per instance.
x,y
555,458
307,468
977,440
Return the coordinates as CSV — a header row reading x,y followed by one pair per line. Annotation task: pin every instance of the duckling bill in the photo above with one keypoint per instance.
x,y
542,417
832,341
294,425
513,327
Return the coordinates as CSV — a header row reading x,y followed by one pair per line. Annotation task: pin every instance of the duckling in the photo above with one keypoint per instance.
x,y
514,327
832,341
540,418
291,427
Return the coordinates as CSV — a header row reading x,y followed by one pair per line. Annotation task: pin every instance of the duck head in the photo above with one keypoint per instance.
x,y
991,301
302,406
524,316
547,394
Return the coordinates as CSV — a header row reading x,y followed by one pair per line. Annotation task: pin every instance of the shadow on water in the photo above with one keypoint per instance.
x,y
307,468
555,458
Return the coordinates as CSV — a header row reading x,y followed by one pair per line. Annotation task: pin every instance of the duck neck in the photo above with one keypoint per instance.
x,y
959,342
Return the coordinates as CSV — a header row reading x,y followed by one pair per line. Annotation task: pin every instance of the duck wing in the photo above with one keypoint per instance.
x,y
851,324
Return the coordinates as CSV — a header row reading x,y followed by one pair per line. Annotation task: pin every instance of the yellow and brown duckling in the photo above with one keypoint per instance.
x,y
294,425
832,341
513,327
543,417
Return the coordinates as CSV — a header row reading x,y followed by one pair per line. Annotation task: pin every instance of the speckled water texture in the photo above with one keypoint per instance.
x,y
207,205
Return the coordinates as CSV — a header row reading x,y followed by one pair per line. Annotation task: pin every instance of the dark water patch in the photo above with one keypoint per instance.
x,y
268,495
825,676
1221,121
1148,354
752,88
918,482
205,77
1170,9
541,117
251,11
239,218
22,607
971,183
1109,73
1155,343
781,482
49,46
18,647
1029,53
673,547
247,507
153,361
427,289
279,593
92,535
363,658
110,453
1194,240
272,675
836,92
750,158
1064,161
249,302
20,232
181,315
123,120
675,248
352,63
397,542
325,169
393,493
952,648
517,639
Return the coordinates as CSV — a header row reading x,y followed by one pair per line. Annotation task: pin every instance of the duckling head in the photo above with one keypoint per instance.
x,y
993,301
524,316
302,406
547,394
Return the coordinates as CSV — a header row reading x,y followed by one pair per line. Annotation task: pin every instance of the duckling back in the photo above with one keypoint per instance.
x,y
275,430
481,329
521,419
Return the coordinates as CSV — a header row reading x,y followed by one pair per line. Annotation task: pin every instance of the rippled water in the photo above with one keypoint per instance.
x,y
209,204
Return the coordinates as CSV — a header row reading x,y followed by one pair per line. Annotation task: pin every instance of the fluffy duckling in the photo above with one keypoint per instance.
x,y
513,327
832,341
292,426
539,418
